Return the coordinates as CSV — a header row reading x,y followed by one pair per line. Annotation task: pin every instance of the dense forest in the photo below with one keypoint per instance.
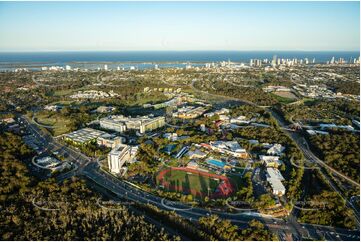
x,y
335,111
44,210
218,229
341,151
252,94
345,87
327,209
70,211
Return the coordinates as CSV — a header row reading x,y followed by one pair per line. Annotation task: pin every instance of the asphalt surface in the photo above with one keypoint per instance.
x,y
90,169
303,145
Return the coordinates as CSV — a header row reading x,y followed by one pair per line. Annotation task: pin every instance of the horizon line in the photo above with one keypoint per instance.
x,y
255,50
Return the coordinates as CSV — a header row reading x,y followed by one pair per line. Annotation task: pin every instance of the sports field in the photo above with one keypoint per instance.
x,y
188,181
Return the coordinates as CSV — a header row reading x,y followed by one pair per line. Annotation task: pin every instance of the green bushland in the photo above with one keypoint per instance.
x,y
78,216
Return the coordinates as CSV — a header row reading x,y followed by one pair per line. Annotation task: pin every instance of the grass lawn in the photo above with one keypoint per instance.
x,y
143,99
59,125
282,99
288,95
186,182
63,92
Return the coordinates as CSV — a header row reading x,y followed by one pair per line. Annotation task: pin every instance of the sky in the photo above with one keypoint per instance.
x,y
84,26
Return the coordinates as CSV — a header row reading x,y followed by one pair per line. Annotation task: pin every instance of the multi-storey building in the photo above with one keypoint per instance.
x,y
83,136
229,147
121,123
275,179
189,112
110,140
117,157
112,124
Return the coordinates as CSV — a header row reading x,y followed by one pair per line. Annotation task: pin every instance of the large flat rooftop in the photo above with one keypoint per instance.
x,y
85,135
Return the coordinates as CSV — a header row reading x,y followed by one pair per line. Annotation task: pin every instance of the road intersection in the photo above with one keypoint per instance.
x,y
89,168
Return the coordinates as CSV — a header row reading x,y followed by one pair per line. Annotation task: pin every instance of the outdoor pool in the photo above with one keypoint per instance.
x,y
216,163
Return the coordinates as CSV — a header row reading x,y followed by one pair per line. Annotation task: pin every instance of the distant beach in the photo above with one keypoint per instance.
x,y
147,59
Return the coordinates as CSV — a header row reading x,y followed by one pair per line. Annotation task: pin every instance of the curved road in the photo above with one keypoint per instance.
x,y
284,127
90,169
131,193
303,146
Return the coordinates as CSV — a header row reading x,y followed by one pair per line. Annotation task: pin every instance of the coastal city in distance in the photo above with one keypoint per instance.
x,y
182,145
188,144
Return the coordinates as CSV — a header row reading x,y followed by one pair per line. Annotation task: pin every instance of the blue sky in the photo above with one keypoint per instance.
x,y
55,26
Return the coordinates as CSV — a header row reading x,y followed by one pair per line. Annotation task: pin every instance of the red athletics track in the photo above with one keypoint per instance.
x,y
224,189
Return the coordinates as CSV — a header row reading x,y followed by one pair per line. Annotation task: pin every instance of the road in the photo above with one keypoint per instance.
x,y
126,191
49,144
89,168
303,145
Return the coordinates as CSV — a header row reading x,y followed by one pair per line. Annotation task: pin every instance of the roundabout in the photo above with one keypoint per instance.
x,y
307,209
43,208
51,168
113,203
164,201
241,209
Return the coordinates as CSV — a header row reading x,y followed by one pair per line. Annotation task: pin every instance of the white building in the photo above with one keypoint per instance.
x,y
110,140
275,178
83,136
105,109
105,67
171,136
276,149
229,147
117,157
223,117
270,161
67,67
121,123
219,112
240,120
53,108
110,123
189,112
48,162
93,94
133,153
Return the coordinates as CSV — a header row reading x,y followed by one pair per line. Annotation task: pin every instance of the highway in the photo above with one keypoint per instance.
x,y
289,132
303,145
89,168
126,191
301,142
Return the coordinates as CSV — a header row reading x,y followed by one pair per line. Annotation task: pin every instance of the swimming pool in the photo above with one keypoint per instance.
x,y
216,163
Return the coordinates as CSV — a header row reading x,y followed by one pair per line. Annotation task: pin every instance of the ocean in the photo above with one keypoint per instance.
x,y
147,59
